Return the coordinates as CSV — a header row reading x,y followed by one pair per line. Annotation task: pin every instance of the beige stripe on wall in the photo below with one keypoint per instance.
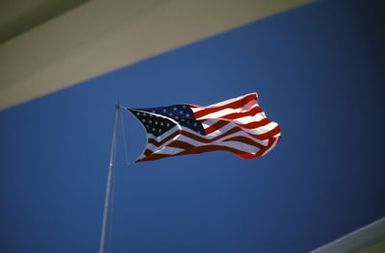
x,y
103,35
379,247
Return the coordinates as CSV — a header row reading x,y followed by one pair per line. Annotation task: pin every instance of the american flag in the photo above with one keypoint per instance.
x,y
237,125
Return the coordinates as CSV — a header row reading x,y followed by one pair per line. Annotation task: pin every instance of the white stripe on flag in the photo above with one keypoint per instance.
x,y
225,112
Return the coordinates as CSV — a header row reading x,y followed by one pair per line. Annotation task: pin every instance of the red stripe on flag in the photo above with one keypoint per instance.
x,y
235,104
236,115
216,126
156,143
221,123
203,149
199,138
246,140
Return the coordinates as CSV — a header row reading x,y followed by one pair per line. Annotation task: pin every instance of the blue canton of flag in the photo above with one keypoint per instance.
x,y
155,124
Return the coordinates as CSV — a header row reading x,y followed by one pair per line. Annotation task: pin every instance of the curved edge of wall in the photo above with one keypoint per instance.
x,y
366,239
103,35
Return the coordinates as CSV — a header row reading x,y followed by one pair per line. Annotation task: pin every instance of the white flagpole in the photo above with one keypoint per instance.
x,y
109,181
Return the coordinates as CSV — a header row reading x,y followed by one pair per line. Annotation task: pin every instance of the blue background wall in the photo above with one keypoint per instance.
x,y
318,71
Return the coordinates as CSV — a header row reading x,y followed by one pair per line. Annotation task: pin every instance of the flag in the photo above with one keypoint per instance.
x,y
237,125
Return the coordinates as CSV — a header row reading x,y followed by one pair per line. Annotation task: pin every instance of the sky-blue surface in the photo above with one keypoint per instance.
x,y
318,71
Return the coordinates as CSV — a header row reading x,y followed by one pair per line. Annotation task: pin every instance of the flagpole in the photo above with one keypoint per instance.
x,y
109,181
